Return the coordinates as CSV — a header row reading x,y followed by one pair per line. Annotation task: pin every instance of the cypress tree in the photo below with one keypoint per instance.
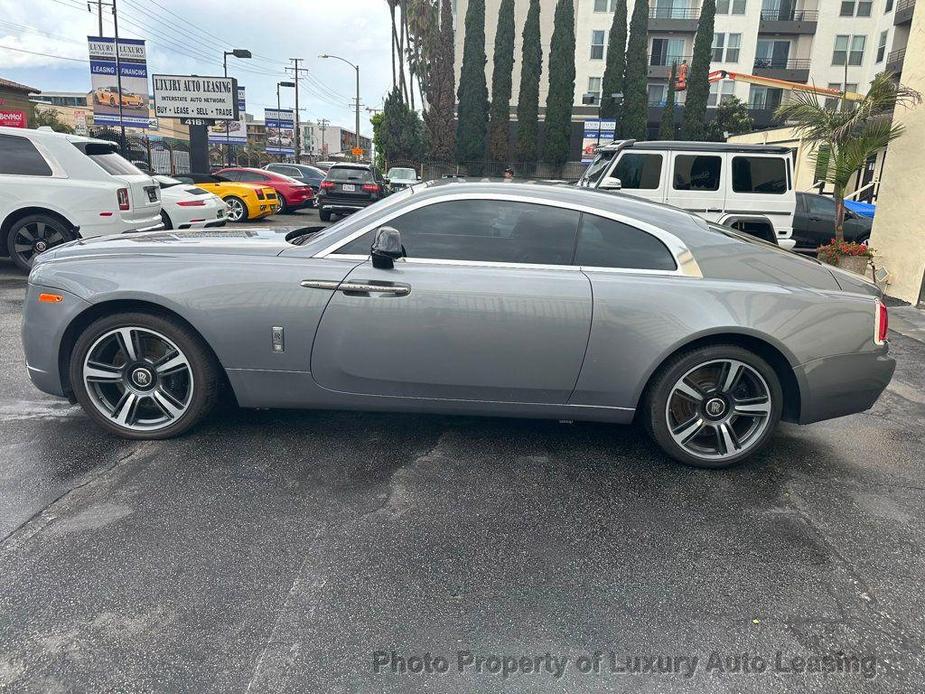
x,y
441,90
561,94
693,124
666,127
635,106
615,70
473,92
499,132
531,66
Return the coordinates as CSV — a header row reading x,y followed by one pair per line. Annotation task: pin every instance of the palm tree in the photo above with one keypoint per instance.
x,y
843,138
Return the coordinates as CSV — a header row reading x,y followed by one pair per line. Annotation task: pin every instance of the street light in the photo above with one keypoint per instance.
x,y
237,53
357,68
279,130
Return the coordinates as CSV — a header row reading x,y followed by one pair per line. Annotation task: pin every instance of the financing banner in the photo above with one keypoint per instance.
x,y
597,132
280,130
133,70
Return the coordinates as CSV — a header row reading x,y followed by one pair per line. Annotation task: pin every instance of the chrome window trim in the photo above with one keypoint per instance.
x,y
687,264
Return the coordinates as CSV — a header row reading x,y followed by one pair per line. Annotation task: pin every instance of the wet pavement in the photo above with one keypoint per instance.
x,y
345,552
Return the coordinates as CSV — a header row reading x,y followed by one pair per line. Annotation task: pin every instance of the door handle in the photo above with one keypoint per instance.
x,y
320,284
365,288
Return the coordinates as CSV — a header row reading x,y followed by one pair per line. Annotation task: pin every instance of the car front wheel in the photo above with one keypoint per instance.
x,y
33,235
713,406
143,376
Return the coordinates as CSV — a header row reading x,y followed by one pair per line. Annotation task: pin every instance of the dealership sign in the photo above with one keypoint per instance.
x,y
12,119
190,96
108,99
280,130
597,132
231,132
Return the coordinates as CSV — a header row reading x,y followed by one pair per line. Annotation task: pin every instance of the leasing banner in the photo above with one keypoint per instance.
x,y
280,130
233,132
133,69
597,132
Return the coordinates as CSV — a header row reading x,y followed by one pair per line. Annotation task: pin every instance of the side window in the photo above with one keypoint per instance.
x,y
697,172
484,230
639,171
606,243
231,175
18,156
766,175
816,204
250,176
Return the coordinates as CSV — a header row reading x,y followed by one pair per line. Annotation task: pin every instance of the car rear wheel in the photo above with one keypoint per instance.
x,y
143,376
237,210
33,235
714,406
283,205
325,215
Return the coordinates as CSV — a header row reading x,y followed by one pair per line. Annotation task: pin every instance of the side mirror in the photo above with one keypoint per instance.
x,y
419,178
386,248
609,183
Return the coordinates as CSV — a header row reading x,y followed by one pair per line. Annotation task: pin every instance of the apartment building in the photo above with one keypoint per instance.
x,y
823,42
325,140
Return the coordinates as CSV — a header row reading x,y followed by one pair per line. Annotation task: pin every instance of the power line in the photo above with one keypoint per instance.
x,y
47,55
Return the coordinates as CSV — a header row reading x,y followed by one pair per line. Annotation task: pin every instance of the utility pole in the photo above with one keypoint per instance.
x,y
115,26
357,68
322,125
298,134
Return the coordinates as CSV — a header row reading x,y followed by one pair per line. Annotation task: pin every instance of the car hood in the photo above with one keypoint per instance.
x,y
251,241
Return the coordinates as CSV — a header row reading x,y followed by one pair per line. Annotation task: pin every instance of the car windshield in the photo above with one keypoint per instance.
x,y
108,159
403,174
596,169
349,174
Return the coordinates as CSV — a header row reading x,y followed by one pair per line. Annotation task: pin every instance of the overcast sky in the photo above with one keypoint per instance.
x,y
188,36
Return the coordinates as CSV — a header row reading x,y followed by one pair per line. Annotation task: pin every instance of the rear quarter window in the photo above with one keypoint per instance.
x,y
697,172
765,175
108,159
607,243
18,156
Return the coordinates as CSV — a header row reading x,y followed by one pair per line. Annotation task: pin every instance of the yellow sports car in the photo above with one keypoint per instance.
x,y
110,96
245,200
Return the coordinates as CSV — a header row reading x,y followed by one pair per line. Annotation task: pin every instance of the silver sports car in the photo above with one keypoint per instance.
x,y
479,298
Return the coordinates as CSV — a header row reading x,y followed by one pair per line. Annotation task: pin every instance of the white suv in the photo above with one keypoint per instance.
x,y
56,188
749,187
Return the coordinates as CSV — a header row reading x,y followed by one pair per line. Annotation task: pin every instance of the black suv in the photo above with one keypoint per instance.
x,y
349,187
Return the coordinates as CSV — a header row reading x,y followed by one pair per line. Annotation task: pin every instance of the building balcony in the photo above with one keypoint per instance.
x,y
661,70
904,10
674,19
788,21
791,69
894,61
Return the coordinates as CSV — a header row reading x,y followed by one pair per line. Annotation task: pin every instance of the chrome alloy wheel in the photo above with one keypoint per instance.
x,y
235,209
138,378
719,409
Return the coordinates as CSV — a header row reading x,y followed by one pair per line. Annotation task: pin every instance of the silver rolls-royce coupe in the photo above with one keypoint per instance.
x,y
453,297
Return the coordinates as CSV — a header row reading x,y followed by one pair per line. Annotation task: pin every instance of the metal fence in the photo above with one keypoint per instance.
x,y
432,170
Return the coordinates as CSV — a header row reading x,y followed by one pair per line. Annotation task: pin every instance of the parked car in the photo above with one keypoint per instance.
x,y
245,201
400,177
465,298
187,206
292,194
310,175
56,187
748,187
143,167
350,187
814,223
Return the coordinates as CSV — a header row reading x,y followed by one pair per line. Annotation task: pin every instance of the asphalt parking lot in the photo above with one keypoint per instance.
x,y
324,551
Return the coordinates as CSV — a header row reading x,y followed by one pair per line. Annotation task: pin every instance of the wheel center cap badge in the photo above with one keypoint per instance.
x,y
40,246
715,407
141,377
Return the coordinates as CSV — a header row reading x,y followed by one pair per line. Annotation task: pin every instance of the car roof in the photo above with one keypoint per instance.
x,y
41,134
682,146
351,165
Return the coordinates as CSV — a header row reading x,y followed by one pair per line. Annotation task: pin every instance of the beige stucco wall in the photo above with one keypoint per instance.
x,y
898,236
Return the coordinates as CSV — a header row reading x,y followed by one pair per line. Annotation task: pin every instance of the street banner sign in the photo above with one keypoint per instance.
x,y
357,151
133,71
13,118
191,96
280,130
232,132
597,132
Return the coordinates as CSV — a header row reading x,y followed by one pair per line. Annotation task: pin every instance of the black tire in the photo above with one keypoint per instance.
x,y
206,372
234,199
38,227
655,416
166,220
325,215
283,205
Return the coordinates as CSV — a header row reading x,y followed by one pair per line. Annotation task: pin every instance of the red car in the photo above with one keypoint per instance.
x,y
293,194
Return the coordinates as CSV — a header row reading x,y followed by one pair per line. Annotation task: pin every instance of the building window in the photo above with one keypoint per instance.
x,y
594,87
764,98
658,94
721,92
856,8
730,6
889,6
726,48
771,53
597,45
832,102
604,5
848,49
719,41
881,46
666,51
732,48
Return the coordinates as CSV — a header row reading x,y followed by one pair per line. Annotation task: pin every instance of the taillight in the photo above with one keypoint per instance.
x,y
327,185
260,195
371,187
881,323
122,197
191,203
